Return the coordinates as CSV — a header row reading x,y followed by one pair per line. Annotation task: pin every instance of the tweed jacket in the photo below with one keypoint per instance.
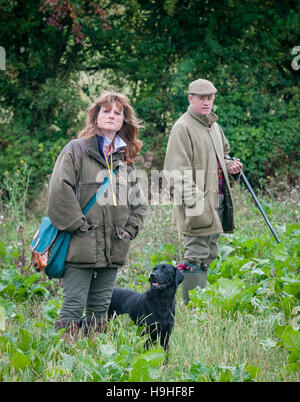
x,y
195,143
78,173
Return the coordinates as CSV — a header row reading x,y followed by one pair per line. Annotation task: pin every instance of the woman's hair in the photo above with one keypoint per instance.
x,y
129,130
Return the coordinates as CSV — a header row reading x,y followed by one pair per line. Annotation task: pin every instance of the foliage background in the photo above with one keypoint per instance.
x,y
61,54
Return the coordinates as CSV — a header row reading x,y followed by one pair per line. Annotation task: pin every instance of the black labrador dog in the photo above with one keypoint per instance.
x,y
155,308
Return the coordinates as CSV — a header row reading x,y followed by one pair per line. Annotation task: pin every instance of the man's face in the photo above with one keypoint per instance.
x,y
202,104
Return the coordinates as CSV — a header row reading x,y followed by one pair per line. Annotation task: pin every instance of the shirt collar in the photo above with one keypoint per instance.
x,y
103,142
118,143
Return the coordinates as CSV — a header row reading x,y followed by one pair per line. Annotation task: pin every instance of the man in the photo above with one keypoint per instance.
x,y
196,161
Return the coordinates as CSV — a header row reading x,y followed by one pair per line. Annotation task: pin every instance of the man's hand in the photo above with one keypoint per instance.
x,y
127,234
236,167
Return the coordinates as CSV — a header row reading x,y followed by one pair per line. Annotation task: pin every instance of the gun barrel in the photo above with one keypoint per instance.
x,y
248,185
259,206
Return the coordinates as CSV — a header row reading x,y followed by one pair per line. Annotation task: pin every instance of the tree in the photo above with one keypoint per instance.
x,y
40,102
150,50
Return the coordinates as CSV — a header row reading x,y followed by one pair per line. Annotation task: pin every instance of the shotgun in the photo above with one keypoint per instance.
x,y
248,185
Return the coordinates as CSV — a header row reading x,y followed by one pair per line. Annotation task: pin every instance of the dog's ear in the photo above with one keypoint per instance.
x,y
179,277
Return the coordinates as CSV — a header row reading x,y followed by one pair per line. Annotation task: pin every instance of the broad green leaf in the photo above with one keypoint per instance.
x,y
291,340
253,371
20,361
280,253
145,366
292,286
293,367
25,340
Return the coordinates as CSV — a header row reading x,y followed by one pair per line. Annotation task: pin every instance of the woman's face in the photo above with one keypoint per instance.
x,y
110,119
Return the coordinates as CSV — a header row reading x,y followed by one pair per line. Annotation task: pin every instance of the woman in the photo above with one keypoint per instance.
x,y
100,240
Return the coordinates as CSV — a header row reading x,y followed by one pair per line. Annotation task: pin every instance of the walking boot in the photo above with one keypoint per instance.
x,y
194,275
203,275
91,327
71,330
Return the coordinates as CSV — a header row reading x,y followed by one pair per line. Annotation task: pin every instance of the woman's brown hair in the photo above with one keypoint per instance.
x,y
129,130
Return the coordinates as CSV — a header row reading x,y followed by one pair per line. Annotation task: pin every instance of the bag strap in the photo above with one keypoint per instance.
x,y
95,197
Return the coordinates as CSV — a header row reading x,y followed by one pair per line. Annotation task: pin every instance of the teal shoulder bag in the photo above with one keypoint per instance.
x,y
50,245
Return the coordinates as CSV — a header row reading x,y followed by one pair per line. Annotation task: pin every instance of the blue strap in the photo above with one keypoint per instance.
x,y
102,189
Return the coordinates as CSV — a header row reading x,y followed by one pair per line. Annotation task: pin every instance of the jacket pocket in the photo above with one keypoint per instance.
x,y
83,248
120,246
200,221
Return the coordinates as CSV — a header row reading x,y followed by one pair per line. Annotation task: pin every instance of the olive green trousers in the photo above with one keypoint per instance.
x,y
86,290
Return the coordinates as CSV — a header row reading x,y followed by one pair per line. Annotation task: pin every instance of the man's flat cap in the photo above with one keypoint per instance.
x,y
202,87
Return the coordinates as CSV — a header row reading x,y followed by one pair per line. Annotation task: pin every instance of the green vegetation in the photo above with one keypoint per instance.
x,y
61,54
243,327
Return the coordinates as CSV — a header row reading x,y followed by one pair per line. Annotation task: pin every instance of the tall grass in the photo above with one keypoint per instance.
x,y
226,341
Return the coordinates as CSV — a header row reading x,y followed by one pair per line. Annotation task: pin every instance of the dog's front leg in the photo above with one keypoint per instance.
x,y
164,339
152,330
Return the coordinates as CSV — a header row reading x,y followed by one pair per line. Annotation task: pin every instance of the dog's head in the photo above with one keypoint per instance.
x,y
164,276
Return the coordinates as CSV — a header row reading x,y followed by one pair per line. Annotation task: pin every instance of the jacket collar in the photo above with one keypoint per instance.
x,y
93,150
205,120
